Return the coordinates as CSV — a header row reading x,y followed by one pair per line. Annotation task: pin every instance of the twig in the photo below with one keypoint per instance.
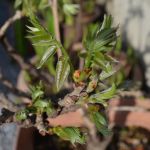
x,y
24,65
53,4
11,51
40,124
4,103
13,89
92,141
18,15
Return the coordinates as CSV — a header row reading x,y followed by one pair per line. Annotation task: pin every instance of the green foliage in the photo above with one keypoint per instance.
x,y
71,134
62,71
48,54
39,105
28,5
99,39
101,97
18,3
100,123
98,68
68,9
109,71
20,42
40,37
37,92
38,102
21,115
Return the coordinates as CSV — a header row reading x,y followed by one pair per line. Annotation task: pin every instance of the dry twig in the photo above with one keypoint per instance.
x,y
18,15
13,89
25,65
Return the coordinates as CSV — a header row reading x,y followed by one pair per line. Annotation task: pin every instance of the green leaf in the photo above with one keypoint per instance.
x,y
21,115
71,9
104,95
101,38
33,29
100,123
37,92
109,71
106,38
42,39
100,60
70,133
43,4
41,104
49,52
18,3
107,22
99,118
62,71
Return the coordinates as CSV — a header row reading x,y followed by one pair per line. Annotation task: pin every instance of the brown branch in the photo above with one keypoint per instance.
x,y
54,7
13,54
4,103
18,15
25,65
11,51
13,89
76,118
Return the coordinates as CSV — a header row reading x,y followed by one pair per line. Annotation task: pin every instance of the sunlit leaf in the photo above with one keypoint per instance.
x,y
100,60
101,38
71,9
104,95
37,92
33,29
107,22
42,39
62,71
49,52
41,104
71,134
18,3
100,123
21,115
109,71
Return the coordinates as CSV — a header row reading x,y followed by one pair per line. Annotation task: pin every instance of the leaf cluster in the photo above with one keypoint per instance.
x,y
70,133
98,68
28,5
40,37
39,105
